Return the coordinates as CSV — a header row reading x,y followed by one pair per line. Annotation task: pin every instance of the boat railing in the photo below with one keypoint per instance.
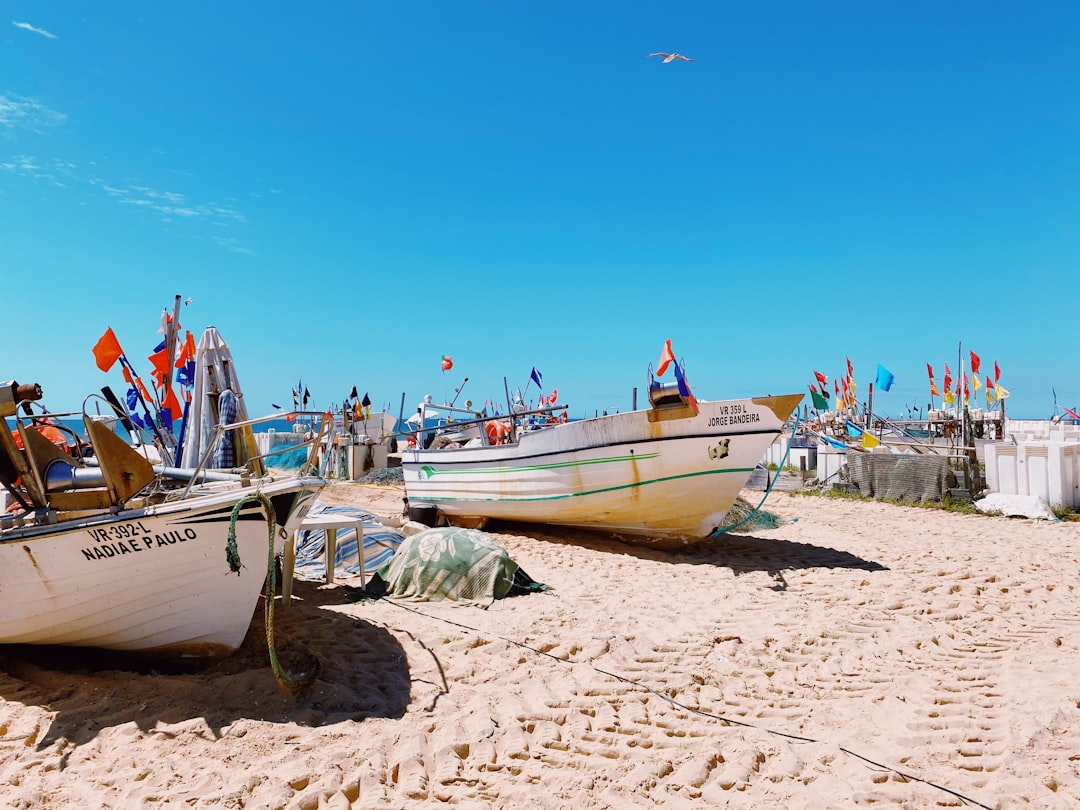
x,y
516,421
326,432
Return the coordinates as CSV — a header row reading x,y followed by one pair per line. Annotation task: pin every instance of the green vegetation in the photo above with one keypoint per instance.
x,y
947,504
1066,513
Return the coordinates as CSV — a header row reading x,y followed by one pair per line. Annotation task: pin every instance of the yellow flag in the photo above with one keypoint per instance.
x,y
950,397
975,381
869,440
1003,392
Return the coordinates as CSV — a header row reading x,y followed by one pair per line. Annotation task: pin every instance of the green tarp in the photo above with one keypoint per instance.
x,y
464,565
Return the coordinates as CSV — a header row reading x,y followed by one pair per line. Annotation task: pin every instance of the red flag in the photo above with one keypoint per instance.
x,y
974,363
948,378
929,371
821,378
850,370
107,350
172,405
997,371
447,362
160,361
553,397
933,389
667,357
187,352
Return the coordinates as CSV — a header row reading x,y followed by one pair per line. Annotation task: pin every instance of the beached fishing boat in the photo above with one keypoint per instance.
x,y
102,547
663,476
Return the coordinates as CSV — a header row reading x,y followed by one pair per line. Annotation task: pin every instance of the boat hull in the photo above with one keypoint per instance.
x,y
150,580
661,482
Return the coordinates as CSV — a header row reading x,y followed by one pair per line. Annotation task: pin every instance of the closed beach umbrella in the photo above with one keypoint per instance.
x,y
217,399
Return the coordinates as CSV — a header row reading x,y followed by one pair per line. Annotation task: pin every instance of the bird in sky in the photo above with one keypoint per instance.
x,y
669,56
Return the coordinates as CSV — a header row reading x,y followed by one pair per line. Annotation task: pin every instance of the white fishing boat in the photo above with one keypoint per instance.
x,y
663,476
102,547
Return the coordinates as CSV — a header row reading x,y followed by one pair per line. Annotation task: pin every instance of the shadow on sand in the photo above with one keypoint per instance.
x,y
363,672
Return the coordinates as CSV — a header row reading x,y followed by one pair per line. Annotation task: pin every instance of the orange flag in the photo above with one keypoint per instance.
x,y
172,405
107,350
666,358
187,351
160,361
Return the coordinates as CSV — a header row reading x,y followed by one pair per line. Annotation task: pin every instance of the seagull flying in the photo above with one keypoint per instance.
x,y
669,56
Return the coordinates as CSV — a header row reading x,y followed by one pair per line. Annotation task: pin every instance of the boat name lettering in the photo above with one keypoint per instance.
x,y
733,415
107,549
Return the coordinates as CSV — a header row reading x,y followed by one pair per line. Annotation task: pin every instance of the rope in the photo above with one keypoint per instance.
x,y
691,709
768,489
294,685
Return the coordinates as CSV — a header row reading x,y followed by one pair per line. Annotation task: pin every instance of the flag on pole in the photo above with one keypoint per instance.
x,y
974,363
997,372
684,387
991,393
1002,392
366,403
869,440
667,357
537,378
821,378
107,350
820,403
884,378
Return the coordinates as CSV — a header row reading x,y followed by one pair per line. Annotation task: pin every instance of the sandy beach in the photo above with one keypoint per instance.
x,y
861,655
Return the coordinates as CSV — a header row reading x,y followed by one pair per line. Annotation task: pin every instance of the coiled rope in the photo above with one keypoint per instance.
x,y
783,462
293,684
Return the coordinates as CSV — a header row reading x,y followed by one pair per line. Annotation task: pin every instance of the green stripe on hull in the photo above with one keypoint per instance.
x,y
427,472
441,498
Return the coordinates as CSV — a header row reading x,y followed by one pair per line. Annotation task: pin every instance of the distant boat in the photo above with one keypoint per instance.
x,y
100,547
663,476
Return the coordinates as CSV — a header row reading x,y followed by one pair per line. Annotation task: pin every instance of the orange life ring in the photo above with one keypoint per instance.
x,y
496,431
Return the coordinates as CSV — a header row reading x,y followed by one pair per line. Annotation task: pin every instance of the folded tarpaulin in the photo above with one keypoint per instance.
x,y
463,565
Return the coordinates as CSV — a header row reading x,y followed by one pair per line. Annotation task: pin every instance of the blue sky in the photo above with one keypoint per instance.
x,y
351,190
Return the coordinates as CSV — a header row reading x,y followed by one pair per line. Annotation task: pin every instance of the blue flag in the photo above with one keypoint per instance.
x,y
537,378
680,380
884,378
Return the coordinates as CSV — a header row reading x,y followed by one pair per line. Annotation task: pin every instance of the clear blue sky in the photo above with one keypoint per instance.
x,y
351,190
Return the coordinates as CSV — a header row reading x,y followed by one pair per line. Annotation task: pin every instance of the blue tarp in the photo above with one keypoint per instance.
x,y
380,544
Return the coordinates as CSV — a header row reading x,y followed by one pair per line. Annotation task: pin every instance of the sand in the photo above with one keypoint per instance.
x,y
866,655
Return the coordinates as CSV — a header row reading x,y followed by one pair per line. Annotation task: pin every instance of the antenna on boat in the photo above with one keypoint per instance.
x,y
458,390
